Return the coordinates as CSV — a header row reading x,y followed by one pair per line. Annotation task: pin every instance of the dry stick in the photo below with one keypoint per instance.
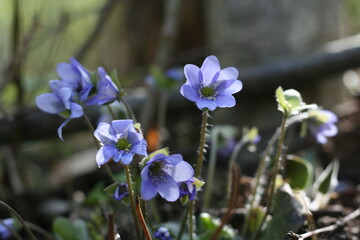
x,y
142,219
105,14
330,228
232,201
111,231
40,230
12,211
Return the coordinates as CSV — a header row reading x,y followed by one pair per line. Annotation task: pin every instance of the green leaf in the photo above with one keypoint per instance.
x,y
164,151
293,98
96,194
110,190
328,178
287,216
65,229
280,98
298,172
209,224
256,215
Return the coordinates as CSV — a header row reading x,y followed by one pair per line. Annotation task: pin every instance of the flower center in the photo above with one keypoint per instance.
x,y
123,144
207,92
66,113
156,168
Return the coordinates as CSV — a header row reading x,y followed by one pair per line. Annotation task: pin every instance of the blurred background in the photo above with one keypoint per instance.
x,y
310,45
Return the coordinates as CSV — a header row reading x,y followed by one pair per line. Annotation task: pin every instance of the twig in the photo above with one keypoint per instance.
x,y
12,211
232,201
340,223
105,14
111,231
142,219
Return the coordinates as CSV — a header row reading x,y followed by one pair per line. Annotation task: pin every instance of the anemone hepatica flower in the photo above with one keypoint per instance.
x,y
106,91
120,141
76,77
59,102
209,86
5,227
163,233
322,125
188,188
121,191
162,173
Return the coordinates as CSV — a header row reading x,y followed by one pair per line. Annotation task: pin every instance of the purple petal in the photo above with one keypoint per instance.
x,y
133,136
225,101
68,73
104,154
104,134
76,110
120,126
206,103
174,159
229,87
157,157
228,73
192,74
168,188
189,92
145,172
59,130
127,158
50,103
118,155
140,148
209,69
148,190
332,117
329,130
65,95
183,172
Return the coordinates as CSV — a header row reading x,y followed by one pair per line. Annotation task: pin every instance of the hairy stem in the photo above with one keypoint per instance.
x,y
142,220
211,169
132,201
277,164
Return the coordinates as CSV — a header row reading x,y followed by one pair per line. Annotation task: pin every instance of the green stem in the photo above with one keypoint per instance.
x,y
198,168
182,226
112,113
161,116
12,211
271,188
132,201
202,143
262,164
234,156
191,219
211,169
128,109
92,130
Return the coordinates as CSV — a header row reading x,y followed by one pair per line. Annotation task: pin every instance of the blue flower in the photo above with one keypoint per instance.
x,y
163,233
120,141
76,77
106,91
60,101
5,227
188,188
322,125
209,86
121,191
161,174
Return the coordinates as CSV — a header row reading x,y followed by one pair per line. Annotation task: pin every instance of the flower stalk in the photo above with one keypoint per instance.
x,y
12,211
132,201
